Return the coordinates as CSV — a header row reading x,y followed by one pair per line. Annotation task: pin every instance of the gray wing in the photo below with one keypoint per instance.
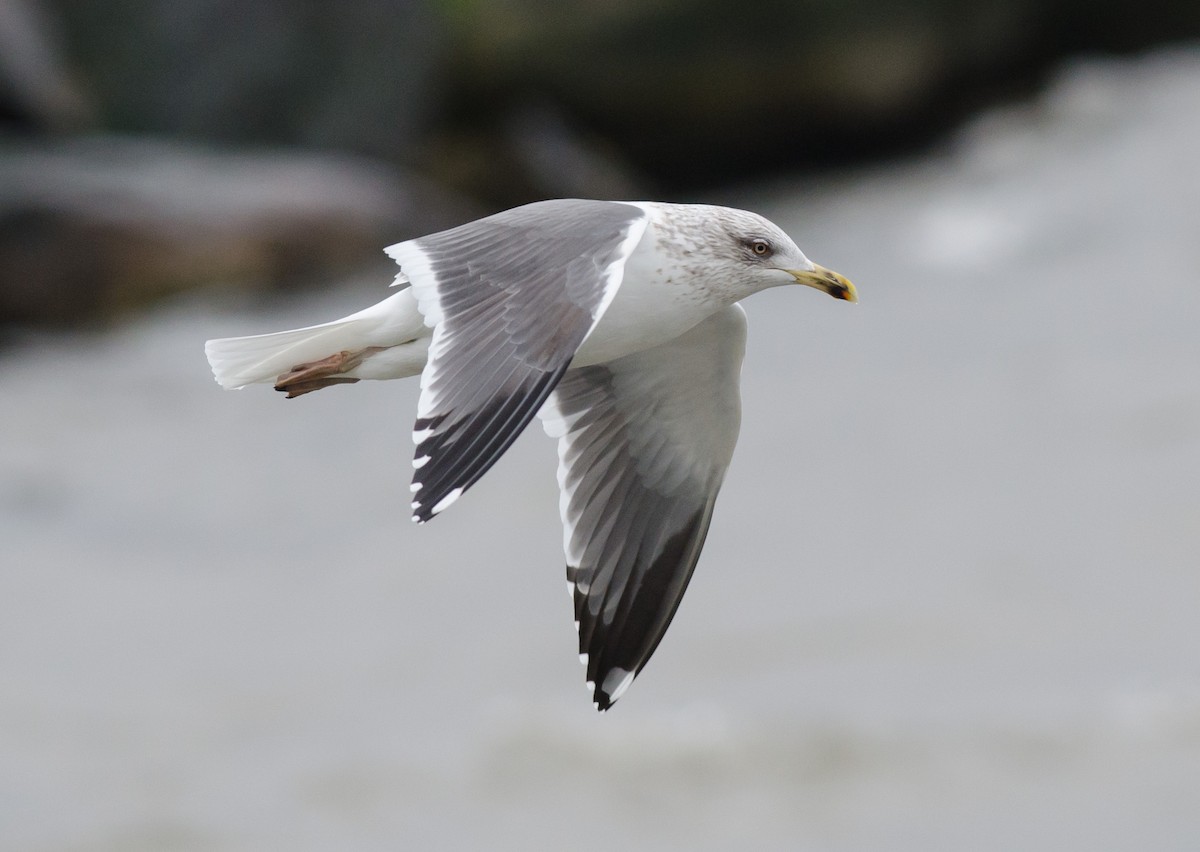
x,y
643,445
510,298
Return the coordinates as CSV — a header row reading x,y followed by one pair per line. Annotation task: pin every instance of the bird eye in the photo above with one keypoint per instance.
x,y
762,248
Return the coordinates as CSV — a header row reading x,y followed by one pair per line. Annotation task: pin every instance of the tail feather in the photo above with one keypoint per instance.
x,y
240,361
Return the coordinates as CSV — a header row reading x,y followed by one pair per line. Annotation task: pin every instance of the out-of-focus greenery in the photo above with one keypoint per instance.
x,y
686,90
695,88
353,75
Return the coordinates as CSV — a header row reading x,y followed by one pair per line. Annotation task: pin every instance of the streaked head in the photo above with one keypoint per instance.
x,y
746,247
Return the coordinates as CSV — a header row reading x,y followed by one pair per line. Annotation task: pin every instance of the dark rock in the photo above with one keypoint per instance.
x,y
91,228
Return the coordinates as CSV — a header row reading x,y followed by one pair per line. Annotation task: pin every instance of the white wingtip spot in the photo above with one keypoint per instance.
x,y
571,591
590,685
414,488
446,501
583,658
419,463
615,683
419,435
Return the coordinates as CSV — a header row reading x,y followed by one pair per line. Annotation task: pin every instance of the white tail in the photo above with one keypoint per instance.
x,y
240,361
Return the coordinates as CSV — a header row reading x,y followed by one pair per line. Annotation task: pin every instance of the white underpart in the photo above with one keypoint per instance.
x,y
395,362
614,273
653,303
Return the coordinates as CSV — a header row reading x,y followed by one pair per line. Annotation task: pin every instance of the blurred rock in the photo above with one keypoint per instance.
x,y
91,228
36,90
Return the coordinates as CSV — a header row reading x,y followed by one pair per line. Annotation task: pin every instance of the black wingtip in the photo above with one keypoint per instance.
x,y
617,680
424,509
420,512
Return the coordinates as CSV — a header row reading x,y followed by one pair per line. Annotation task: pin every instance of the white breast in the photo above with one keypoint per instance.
x,y
658,300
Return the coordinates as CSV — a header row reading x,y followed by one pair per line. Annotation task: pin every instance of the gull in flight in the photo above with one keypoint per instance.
x,y
617,324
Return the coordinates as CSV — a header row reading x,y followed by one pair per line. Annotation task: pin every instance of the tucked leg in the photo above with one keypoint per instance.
x,y
314,375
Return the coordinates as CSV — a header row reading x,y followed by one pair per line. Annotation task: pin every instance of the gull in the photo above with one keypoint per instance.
x,y
616,323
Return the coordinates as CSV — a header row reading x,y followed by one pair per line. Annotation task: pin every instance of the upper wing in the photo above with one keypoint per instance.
x,y
643,444
510,298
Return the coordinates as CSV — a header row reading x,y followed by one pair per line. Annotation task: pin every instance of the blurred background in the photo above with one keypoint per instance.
x,y
949,596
